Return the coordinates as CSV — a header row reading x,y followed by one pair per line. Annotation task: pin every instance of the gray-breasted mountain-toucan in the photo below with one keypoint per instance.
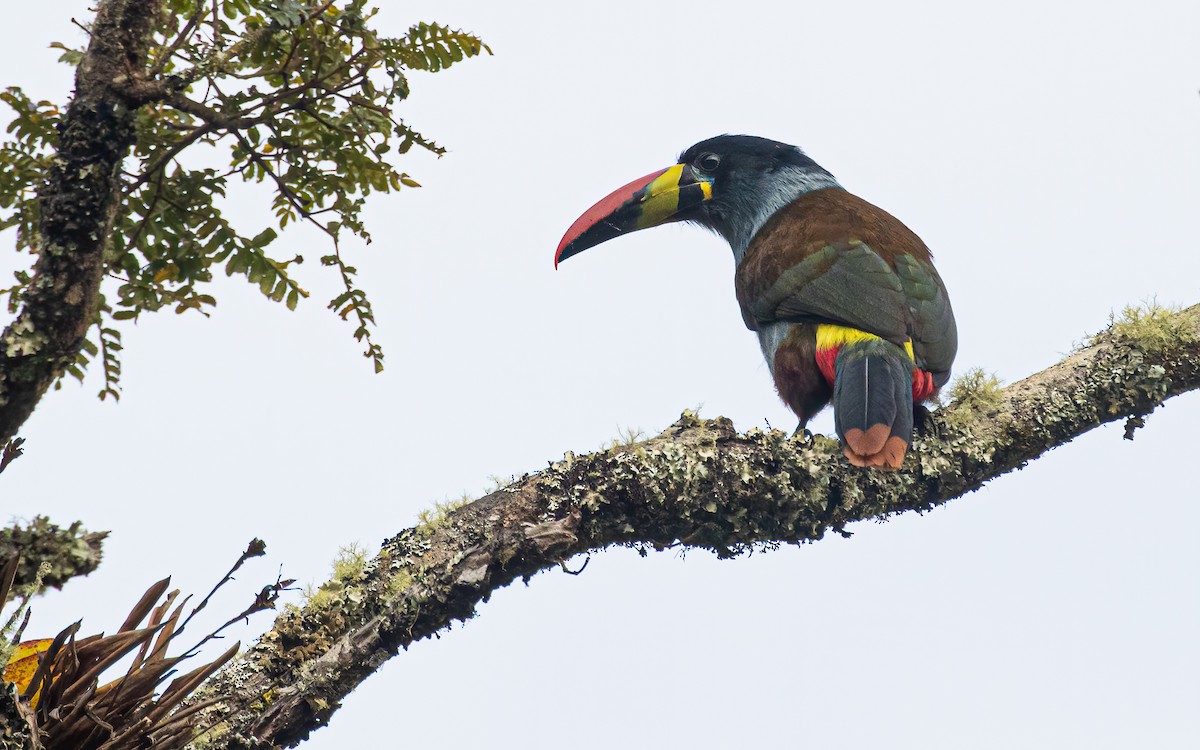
x,y
844,298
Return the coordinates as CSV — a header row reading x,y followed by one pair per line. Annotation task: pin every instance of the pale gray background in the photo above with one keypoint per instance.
x,y
1049,153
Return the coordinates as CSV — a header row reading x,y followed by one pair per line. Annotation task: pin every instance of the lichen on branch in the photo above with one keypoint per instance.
x,y
67,553
698,484
74,213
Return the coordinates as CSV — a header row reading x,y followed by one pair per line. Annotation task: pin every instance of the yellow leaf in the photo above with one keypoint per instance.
x,y
24,663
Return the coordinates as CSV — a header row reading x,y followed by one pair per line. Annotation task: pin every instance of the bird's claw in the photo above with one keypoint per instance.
x,y
804,435
923,423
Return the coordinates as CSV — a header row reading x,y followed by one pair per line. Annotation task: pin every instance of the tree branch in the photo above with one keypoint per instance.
x,y
71,552
78,203
699,484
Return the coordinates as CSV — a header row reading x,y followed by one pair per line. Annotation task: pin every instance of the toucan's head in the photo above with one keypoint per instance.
x,y
731,184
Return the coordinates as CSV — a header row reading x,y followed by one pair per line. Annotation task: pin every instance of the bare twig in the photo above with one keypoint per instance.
x,y
256,548
165,55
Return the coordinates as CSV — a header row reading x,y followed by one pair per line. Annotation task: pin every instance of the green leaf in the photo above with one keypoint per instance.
x,y
264,238
307,95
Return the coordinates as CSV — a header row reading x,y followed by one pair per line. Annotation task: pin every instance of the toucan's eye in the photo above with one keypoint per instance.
x,y
708,162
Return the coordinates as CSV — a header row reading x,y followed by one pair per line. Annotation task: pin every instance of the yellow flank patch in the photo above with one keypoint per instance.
x,y
661,200
830,336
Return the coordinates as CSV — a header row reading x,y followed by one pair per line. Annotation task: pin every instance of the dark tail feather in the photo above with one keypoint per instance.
x,y
872,403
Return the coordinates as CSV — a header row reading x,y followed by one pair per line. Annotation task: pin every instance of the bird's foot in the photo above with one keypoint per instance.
x,y
805,435
923,422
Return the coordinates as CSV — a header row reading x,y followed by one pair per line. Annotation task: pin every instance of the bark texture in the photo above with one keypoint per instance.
x,y
77,206
698,484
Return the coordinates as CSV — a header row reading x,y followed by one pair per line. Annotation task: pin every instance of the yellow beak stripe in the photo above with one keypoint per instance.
x,y
660,199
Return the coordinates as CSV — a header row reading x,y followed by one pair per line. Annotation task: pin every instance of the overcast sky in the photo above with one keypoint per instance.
x,y
1048,153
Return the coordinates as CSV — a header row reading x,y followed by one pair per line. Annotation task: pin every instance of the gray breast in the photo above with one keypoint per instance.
x,y
770,337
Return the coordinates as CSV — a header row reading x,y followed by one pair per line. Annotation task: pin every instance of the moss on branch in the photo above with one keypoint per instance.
x,y
699,484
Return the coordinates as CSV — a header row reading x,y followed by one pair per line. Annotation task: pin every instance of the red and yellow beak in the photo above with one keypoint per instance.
x,y
667,195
